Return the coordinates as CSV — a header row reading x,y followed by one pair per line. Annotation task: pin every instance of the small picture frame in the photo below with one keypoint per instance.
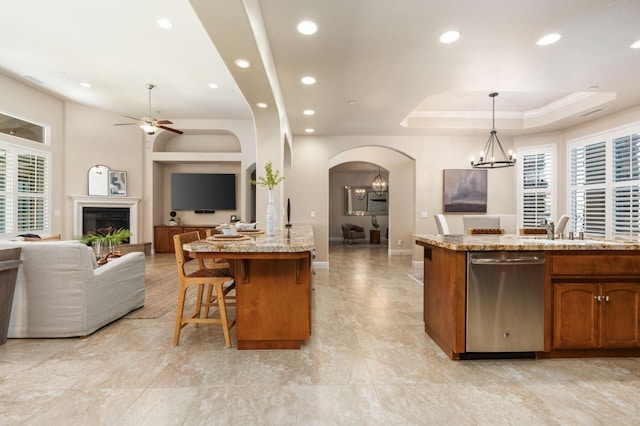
x,y
117,183
234,218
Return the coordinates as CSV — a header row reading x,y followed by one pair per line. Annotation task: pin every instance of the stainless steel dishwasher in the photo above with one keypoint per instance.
x,y
505,301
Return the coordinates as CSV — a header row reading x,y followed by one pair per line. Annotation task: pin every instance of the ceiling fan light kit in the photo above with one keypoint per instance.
x,y
487,155
149,124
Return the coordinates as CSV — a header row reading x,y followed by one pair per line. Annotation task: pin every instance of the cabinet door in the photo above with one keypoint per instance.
x,y
619,317
163,238
575,316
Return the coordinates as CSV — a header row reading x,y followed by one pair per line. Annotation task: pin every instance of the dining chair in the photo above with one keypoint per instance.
x,y
207,281
480,222
486,231
441,223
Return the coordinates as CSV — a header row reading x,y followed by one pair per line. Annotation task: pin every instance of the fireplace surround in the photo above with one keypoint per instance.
x,y
130,203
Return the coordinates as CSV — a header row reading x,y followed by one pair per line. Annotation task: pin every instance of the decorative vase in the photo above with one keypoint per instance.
x,y
271,216
102,248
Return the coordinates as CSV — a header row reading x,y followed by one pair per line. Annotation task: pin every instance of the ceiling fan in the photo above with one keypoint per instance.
x,y
149,124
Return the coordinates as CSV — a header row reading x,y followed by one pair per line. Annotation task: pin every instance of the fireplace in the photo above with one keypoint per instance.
x,y
103,220
95,212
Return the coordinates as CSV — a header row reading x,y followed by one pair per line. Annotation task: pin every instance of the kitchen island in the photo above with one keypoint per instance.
x,y
591,292
273,284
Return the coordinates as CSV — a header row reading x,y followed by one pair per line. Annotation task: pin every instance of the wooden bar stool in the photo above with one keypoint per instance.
x,y
219,279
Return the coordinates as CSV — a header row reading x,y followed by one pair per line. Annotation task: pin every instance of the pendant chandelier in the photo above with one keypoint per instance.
x,y
488,155
379,184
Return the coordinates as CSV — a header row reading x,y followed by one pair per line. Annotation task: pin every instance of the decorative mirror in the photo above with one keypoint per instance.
x,y
99,180
355,204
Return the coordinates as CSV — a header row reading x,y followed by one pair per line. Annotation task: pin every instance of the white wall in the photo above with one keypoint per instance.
x,y
90,139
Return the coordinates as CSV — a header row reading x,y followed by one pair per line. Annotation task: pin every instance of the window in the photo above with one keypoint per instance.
x,y
22,129
24,190
536,185
604,184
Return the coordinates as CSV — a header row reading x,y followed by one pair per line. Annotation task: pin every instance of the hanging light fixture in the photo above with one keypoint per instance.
x,y
379,184
487,155
360,193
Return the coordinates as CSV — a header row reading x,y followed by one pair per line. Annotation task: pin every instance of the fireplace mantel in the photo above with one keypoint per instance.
x,y
81,201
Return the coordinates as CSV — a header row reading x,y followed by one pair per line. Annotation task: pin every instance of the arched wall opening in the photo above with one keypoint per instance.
x,y
401,196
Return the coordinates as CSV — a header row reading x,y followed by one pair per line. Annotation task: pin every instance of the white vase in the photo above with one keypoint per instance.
x,y
271,216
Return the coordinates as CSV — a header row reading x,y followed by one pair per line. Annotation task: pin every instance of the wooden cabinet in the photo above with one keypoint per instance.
x,y
595,301
590,316
163,236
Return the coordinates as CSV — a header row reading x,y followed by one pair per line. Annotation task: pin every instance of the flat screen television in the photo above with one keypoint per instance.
x,y
203,191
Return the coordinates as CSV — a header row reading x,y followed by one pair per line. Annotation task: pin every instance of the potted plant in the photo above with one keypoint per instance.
x,y
103,243
270,181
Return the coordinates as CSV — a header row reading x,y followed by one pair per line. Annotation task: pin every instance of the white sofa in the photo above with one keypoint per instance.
x,y
61,292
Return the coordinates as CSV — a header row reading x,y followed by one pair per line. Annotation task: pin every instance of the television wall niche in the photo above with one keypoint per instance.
x,y
203,191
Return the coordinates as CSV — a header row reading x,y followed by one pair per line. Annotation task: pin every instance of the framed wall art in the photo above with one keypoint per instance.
x,y
465,191
117,183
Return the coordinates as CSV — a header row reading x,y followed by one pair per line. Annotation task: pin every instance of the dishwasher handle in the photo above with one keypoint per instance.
x,y
530,260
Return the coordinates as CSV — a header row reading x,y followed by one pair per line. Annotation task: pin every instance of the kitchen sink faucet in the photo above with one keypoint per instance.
x,y
550,228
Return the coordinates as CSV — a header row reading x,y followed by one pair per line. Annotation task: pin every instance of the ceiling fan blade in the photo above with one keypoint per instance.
x,y
125,124
163,122
171,130
133,118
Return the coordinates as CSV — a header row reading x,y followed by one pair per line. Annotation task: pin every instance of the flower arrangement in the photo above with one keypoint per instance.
x,y
374,221
272,178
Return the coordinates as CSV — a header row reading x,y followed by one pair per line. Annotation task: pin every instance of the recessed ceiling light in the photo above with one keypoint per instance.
x,y
164,23
242,63
213,85
308,112
449,37
548,39
308,80
351,102
635,45
309,130
85,84
307,27
262,105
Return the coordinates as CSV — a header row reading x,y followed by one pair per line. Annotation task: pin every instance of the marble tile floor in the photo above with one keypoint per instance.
x,y
368,362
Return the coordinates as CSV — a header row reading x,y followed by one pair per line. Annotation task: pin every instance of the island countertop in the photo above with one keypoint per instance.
x,y
512,242
298,238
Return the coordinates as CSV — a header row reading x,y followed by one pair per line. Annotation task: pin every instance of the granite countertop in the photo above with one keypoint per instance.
x,y
513,242
298,238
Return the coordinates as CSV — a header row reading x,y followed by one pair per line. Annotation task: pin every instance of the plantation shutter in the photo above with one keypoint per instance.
x,y
24,190
588,194
536,188
626,192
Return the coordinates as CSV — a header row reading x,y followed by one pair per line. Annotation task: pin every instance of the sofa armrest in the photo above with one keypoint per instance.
x,y
117,288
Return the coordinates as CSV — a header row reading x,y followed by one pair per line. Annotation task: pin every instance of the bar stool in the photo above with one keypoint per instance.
x,y
219,279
